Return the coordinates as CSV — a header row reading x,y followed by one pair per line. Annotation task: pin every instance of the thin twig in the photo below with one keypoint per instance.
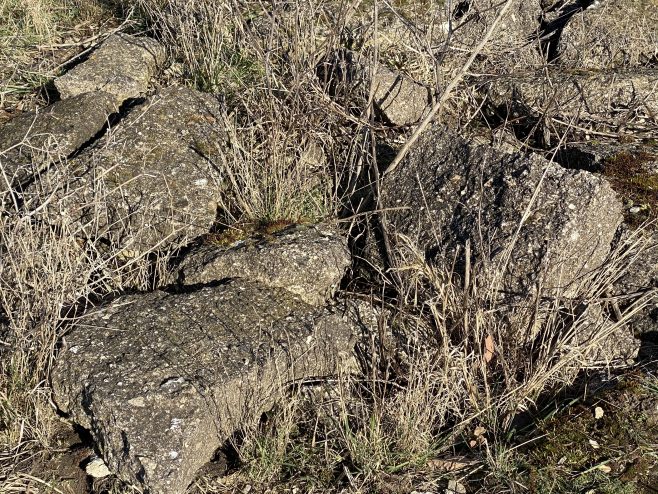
x,y
446,94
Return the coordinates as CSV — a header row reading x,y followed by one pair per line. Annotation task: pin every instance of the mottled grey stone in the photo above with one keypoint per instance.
x,y
448,191
122,66
308,261
148,183
32,141
619,33
398,98
162,380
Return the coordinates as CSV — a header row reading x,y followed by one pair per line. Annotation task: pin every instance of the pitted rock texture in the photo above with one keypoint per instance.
x,y
308,261
399,99
32,141
122,66
148,183
616,33
448,191
162,380
612,99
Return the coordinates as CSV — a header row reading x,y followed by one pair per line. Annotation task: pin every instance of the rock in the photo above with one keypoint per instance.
x,y
600,156
631,169
307,261
30,142
619,33
97,468
162,380
641,276
610,100
514,40
122,66
399,99
447,192
619,347
148,183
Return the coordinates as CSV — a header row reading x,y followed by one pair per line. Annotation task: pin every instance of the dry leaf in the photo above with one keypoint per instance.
x,y
594,444
479,431
598,413
604,468
449,464
488,348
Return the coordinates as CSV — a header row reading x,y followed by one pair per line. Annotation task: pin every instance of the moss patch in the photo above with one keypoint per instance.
x,y
612,452
242,231
628,175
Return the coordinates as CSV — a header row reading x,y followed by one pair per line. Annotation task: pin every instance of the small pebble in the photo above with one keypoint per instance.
x,y
634,210
97,468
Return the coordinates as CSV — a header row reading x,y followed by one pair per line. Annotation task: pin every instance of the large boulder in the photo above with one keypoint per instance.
x,y
308,261
161,380
149,182
122,66
614,34
530,222
30,142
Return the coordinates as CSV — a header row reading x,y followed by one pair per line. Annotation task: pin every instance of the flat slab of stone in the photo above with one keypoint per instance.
x,y
149,181
448,191
32,141
613,99
308,261
122,66
162,380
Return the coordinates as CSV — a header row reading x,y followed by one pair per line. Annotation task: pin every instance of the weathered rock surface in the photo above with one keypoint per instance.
x,y
400,100
618,99
149,181
600,156
515,38
307,261
617,33
32,141
122,66
161,380
450,192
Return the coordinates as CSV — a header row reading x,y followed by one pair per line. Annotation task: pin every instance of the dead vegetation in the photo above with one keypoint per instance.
x,y
444,375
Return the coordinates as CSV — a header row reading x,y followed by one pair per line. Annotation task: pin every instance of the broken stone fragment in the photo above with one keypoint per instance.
x,y
30,142
122,66
308,261
148,183
532,223
399,99
162,380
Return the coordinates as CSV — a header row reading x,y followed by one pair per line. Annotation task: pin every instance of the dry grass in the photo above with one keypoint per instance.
x,y
447,367
36,38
